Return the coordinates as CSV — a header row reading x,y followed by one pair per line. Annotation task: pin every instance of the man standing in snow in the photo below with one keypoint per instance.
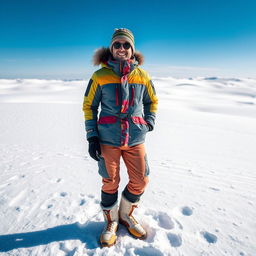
x,y
128,107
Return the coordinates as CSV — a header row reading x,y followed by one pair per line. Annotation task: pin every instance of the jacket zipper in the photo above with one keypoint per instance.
x,y
133,95
117,96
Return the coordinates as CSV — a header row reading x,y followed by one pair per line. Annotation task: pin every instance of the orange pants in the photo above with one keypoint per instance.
x,y
135,160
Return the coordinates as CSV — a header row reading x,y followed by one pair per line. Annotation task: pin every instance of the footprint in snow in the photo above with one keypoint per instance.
x,y
63,194
96,201
69,252
214,189
187,211
147,251
82,202
209,237
18,209
165,221
175,240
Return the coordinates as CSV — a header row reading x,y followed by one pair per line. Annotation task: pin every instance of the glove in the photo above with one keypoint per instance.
x,y
150,127
94,148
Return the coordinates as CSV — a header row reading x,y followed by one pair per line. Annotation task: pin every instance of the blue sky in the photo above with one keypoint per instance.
x,y
56,39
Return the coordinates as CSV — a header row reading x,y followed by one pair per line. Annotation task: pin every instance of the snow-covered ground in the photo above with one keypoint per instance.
x,y
201,199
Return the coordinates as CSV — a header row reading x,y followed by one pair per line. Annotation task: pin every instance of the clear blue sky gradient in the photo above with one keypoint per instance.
x,y
56,39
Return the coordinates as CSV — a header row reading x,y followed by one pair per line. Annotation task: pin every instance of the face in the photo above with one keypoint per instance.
x,y
121,53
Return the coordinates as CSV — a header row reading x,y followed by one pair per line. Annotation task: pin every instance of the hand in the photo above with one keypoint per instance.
x,y
94,148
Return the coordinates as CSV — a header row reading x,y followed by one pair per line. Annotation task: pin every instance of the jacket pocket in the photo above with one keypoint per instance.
x,y
107,120
138,130
138,120
109,130
140,123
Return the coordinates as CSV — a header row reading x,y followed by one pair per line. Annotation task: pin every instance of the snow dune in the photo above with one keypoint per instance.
x,y
201,196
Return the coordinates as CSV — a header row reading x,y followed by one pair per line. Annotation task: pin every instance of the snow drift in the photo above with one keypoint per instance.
x,y
201,196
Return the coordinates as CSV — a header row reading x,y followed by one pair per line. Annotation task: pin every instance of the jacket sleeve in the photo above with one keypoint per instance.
x,y
92,98
150,102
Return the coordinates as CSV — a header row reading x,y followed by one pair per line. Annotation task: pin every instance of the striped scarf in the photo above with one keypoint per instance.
x,y
122,69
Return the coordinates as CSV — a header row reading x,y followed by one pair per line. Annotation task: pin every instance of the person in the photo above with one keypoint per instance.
x,y
128,102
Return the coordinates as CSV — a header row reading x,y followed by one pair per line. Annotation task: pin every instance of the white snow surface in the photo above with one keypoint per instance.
x,y
201,198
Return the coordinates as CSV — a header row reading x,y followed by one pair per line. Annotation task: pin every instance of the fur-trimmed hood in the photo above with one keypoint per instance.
x,y
102,55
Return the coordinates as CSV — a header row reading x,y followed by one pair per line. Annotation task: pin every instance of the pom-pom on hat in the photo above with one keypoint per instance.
x,y
122,33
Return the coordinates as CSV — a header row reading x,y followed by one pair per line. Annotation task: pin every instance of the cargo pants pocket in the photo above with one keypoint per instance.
x,y
102,168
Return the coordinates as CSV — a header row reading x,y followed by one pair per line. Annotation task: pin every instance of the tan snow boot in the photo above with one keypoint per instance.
x,y
127,219
108,235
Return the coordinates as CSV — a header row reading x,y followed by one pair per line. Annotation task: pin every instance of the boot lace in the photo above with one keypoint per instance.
x,y
110,226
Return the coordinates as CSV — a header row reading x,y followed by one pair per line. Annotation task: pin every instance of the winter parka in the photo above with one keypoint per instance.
x,y
103,92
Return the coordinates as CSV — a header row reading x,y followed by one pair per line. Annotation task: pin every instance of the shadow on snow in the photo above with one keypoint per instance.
x,y
86,233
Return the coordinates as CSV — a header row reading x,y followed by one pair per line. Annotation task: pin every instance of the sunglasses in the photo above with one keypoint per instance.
x,y
125,45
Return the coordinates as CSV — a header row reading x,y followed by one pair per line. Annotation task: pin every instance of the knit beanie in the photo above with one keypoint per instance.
x,y
122,33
